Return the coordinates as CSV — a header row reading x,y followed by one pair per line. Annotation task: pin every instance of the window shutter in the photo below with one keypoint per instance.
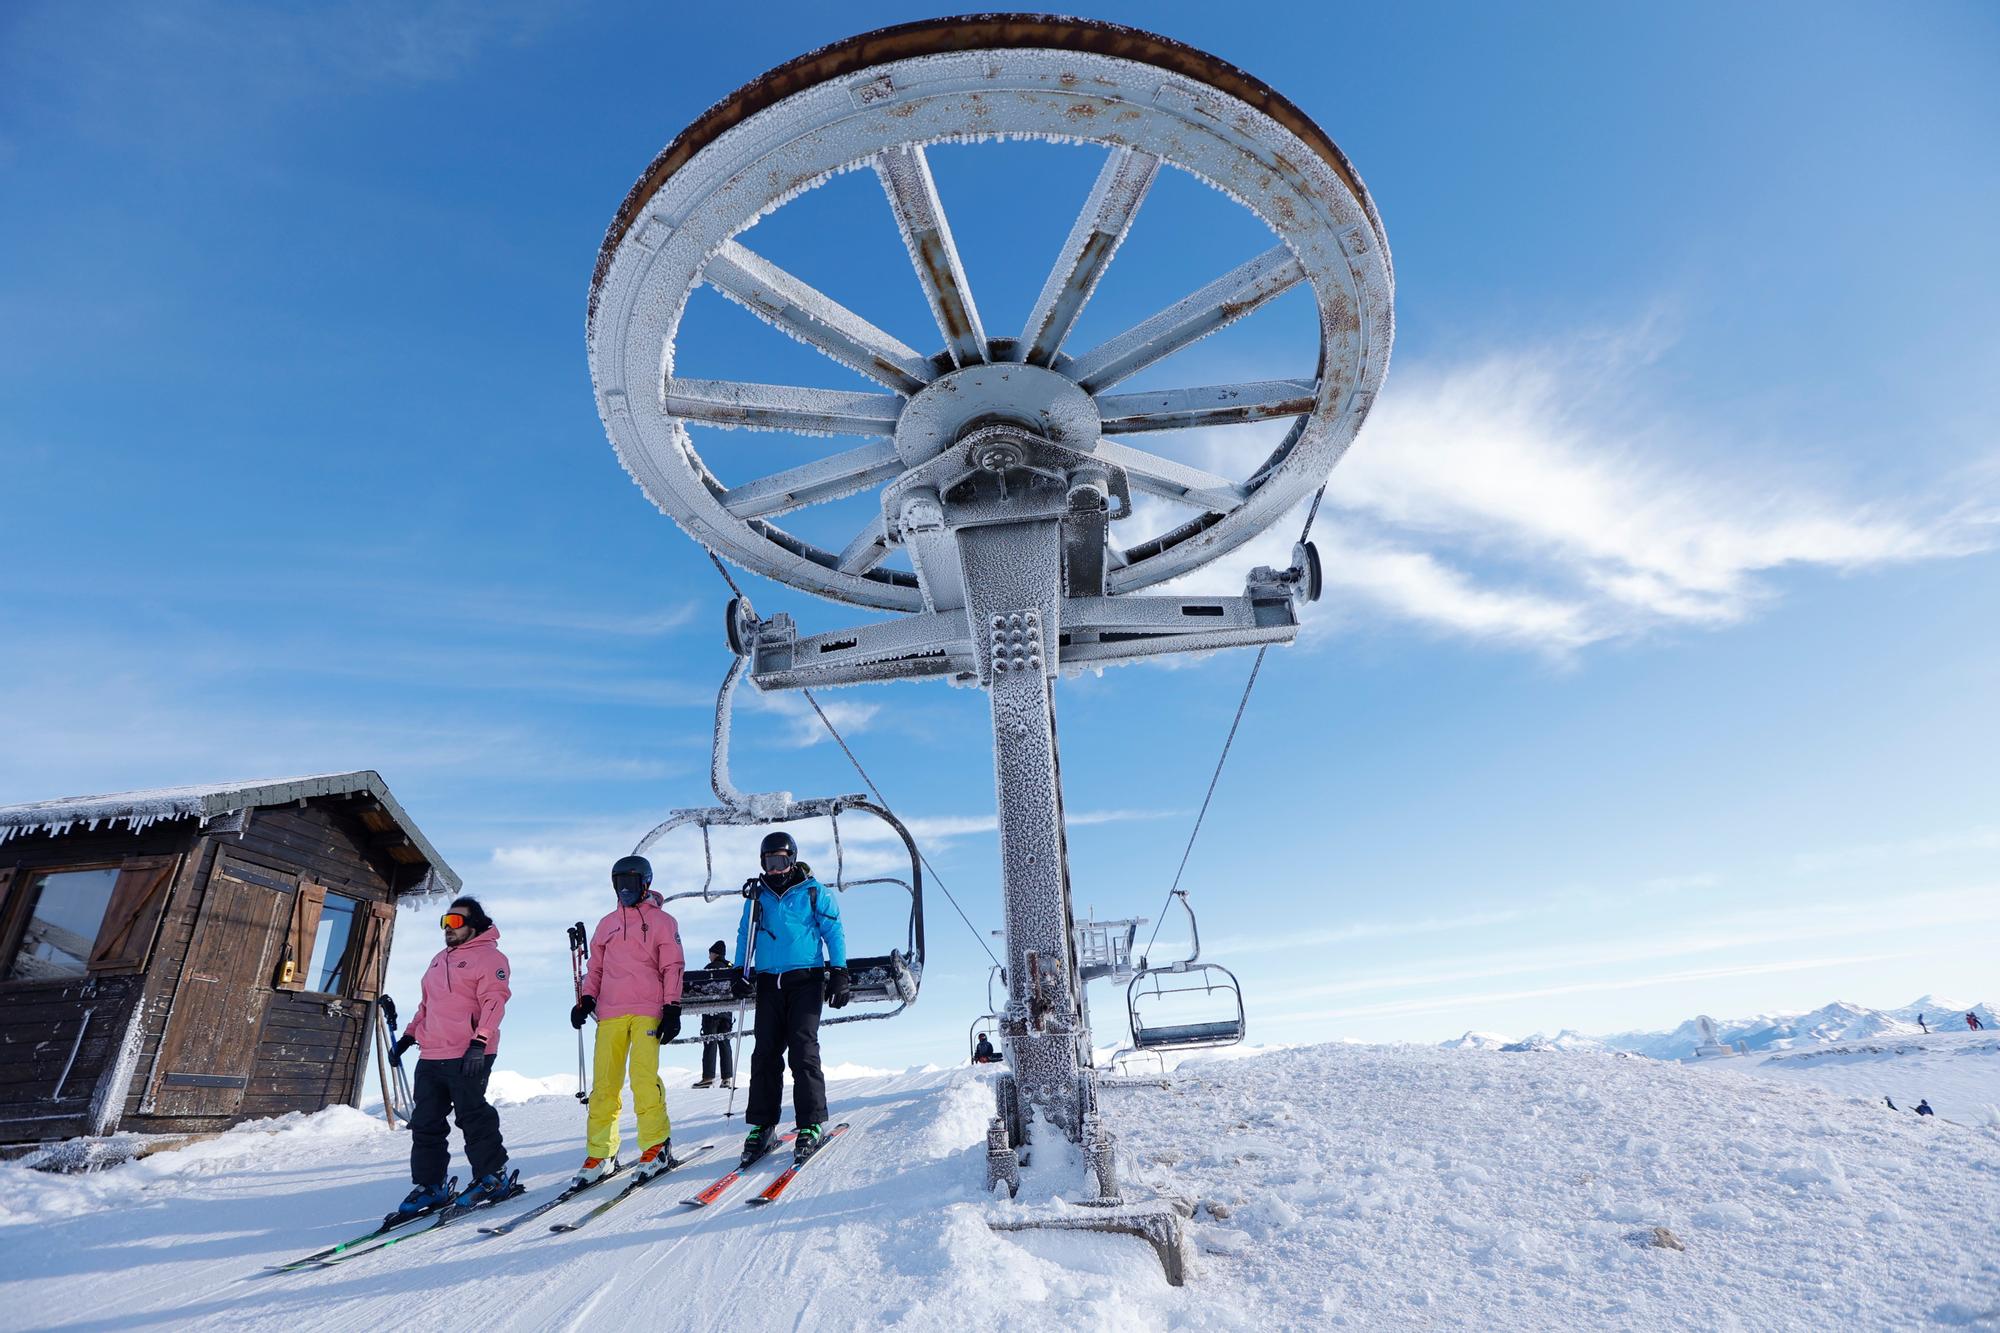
x,y
374,955
296,960
126,936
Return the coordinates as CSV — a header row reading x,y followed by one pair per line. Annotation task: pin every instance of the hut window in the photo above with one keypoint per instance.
x,y
326,971
65,909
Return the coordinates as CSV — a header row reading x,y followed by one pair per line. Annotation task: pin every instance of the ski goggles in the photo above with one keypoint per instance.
x,y
454,920
776,861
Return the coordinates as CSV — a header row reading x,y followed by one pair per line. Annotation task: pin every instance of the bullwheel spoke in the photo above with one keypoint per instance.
x,y
1193,317
906,178
811,483
782,407
814,318
1210,405
867,549
1095,236
1164,477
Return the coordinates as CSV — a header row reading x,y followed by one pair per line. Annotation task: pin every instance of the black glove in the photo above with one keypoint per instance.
x,y
582,1009
474,1064
739,985
839,988
403,1043
670,1024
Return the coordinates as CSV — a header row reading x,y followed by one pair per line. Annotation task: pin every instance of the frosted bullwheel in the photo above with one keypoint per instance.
x,y
878,102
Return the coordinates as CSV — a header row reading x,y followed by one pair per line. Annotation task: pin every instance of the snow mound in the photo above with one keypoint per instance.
x,y
504,1087
1390,1187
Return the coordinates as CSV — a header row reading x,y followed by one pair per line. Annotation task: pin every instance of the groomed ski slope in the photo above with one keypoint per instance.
x,y
1340,1186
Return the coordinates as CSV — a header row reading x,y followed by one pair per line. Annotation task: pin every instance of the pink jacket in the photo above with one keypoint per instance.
x,y
465,993
635,961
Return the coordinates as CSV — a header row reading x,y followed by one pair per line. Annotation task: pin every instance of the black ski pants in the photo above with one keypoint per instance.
x,y
714,1052
441,1088
787,1021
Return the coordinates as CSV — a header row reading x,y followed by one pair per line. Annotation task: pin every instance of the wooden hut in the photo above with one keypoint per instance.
x,y
183,959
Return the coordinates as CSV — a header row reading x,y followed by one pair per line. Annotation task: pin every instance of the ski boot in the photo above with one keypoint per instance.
x,y
757,1142
489,1188
654,1160
705,1083
594,1169
423,1199
808,1142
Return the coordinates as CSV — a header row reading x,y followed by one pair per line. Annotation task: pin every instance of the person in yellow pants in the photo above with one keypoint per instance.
x,y
633,989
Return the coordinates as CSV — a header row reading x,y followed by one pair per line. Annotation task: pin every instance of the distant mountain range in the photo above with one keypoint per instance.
x,y
1838,1021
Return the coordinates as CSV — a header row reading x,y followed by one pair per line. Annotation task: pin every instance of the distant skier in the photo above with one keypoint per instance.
x,y
1891,1105
1920,1023
633,989
1972,1021
1924,1108
983,1053
787,917
714,1053
457,1028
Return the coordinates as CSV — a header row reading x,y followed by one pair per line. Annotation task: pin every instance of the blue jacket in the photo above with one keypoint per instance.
x,y
791,926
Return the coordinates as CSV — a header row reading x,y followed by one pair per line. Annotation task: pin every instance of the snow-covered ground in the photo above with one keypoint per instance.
x,y
1958,1073
1338,1185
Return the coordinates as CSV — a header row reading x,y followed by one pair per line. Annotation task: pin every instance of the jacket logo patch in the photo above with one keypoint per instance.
x,y
501,973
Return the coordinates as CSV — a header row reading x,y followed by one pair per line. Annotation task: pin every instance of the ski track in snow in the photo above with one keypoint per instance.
x,y
1339,1185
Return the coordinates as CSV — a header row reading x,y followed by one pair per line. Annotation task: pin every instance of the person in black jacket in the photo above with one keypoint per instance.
x,y
983,1053
1924,1107
714,1053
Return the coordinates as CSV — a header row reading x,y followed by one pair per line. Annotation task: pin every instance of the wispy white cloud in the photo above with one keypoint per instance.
x,y
1543,497
1479,999
849,716
1875,853
1769,928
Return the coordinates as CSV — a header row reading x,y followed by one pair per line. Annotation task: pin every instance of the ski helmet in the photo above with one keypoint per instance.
x,y
778,844
631,877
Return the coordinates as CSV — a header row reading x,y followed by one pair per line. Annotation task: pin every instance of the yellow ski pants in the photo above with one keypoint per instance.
x,y
619,1041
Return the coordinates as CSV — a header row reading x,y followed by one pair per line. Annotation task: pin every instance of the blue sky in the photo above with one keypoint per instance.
x,y
1657,665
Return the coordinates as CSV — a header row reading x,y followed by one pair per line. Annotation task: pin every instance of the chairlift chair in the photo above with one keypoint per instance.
x,y
993,1018
1153,986
891,979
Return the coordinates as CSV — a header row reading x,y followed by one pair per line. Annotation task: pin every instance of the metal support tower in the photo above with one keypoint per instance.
x,y
1007,467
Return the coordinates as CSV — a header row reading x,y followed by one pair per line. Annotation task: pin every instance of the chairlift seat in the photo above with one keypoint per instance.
x,y
1188,1034
889,979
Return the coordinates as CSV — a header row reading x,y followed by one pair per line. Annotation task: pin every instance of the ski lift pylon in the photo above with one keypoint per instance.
x,y
889,979
1155,986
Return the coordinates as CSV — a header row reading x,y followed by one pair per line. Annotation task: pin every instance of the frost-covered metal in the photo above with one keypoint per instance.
x,y
1004,468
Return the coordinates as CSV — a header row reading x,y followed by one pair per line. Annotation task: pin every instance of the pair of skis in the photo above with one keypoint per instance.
x,y
630,1189
393,1229
396,1228
776,1189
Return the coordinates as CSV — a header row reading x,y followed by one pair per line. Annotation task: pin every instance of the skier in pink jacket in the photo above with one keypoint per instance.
x,y
457,1027
634,991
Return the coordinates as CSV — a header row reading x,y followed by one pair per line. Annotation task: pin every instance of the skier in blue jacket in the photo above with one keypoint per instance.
x,y
788,919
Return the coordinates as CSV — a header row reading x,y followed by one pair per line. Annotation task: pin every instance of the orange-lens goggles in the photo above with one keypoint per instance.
x,y
452,920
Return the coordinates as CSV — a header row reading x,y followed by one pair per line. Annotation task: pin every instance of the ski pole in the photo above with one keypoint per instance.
x,y
382,1068
579,950
405,1101
736,1060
